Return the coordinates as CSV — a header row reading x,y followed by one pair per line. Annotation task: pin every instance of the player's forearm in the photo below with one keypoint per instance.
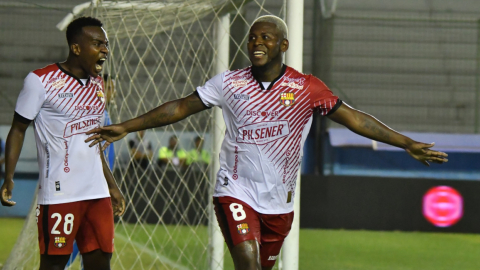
x,y
368,126
111,183
165,114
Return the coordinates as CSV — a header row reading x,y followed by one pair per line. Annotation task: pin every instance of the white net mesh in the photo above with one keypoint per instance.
x,y
159,51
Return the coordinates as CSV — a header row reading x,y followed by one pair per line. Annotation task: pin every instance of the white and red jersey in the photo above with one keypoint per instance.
x,y
266,129
63,108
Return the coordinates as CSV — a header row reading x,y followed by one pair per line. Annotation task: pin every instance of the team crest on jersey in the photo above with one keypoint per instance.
x,y
60,242
287,99
101,96
243,228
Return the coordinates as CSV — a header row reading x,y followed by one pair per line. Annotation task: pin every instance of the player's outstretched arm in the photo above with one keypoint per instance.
x,y
368,126
165,114
13,147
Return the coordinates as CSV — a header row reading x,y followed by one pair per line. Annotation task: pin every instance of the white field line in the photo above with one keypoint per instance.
x,y
152,253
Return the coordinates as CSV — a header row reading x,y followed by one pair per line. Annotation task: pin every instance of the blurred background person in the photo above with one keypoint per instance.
x,y
198,156
171,155
140,150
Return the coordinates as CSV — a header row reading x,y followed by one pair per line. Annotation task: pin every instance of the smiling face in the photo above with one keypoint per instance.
x,y
91,49
266,44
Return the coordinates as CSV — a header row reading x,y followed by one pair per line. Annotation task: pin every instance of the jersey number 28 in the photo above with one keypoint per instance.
x,y
67,225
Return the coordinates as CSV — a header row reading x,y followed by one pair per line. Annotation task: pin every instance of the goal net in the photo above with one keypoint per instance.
x,y
159,51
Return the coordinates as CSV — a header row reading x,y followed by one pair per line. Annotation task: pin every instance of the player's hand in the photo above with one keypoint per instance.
x,y
423,153
118,201
6,193
109,134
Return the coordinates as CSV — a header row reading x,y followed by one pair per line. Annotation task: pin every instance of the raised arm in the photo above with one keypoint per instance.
x,y
13,147
368,126
165,114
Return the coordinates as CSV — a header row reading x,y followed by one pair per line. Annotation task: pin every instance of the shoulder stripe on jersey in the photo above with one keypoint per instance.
x,y
335,107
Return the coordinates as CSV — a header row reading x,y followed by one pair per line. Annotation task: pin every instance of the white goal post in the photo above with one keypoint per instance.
x,y
159,51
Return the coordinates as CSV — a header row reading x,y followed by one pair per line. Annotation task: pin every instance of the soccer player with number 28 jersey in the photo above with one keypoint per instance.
x,y
76,188
268,110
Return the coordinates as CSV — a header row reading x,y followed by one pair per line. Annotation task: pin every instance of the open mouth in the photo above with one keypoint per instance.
x,y
258,53
99,64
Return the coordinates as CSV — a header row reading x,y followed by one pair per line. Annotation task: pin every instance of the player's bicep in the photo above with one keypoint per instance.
x,y
345,115
193,104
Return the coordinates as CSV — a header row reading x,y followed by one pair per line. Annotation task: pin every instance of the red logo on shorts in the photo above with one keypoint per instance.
x,y
60,242
243,228
66,169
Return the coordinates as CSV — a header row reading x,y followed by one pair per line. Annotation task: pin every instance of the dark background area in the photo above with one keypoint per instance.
x,y
374,203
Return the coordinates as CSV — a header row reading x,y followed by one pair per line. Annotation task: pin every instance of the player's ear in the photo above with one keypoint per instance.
x,y
284,45
75,49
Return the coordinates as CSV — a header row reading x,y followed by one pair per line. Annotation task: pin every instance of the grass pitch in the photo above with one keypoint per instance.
x,y
319,249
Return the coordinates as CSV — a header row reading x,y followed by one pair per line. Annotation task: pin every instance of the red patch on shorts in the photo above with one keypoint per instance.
x,y
243,228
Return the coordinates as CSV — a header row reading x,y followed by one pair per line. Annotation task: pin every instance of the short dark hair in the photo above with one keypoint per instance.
x,y
74,29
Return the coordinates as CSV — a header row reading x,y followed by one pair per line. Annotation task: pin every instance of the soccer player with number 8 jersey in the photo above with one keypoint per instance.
x,y
77,196
268,110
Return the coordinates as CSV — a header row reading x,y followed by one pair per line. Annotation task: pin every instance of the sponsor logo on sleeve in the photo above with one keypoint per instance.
x,y
243,228
287,99
81,125
60,242
263,132
272,258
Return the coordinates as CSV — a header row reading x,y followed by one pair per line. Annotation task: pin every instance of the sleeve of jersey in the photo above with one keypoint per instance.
x,y
211,93
31,97
323,99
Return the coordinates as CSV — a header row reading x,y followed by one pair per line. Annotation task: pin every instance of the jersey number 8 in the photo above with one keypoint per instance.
x,y
237,211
